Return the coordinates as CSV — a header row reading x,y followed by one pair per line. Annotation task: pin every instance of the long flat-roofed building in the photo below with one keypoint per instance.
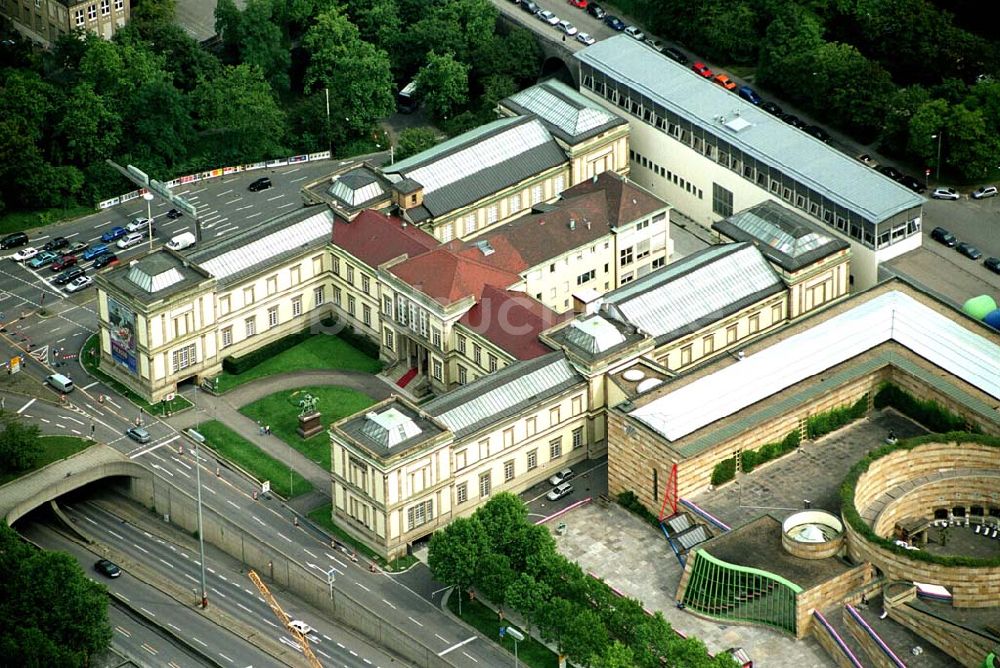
x,y
709,154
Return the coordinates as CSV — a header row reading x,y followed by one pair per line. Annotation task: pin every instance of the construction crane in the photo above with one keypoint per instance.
x,y
284,619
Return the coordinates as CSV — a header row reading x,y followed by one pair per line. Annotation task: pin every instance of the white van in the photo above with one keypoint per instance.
x,y
181,241
60,382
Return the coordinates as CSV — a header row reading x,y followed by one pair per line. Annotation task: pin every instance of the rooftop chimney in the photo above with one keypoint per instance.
x,y
572,224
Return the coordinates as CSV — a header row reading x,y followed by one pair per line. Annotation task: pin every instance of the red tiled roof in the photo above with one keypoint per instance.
x,y
504,256
511,321
625,200
375,237
447,277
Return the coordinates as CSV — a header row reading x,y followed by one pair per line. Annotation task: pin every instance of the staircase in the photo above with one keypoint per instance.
x,y
405,379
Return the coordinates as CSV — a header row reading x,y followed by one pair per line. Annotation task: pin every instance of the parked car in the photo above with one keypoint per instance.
x,y
913,184
676,55
772,108
173,214
65,262
702,69
25,254
561,477
793,120
42,259
137,224
13,240
94,251
567,27
945,193
129,240
723,80
581,4
138,434
116,232
943,236
748,94
655,44
818,132
263,183
968,250
867,159
529,7
548,17
614,22
585,38
993,264
70,274
889,171
984,192
56,244
106,260
107,568
559,492
76,247
635,33
79,283
596,11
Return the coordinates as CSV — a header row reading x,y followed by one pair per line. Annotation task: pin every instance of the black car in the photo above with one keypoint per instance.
x,y
104,260
772,108
56,244
174,214
911,183
968,250
993,264
889,171
105,567
943,236
793,120
614,22
13,240
596,11
263,183
817,132
675,54
68,275
530,7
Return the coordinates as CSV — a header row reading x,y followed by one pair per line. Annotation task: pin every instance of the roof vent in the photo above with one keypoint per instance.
x,y
371,415
485,247
634,201
572,224
595,178
587,223
722,119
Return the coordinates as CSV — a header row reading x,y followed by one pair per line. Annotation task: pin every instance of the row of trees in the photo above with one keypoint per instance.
x,y
51,613
897,71
287,76
19,445
514,564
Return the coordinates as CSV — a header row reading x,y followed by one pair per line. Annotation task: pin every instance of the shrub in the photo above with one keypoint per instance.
x,y
749,459
724,471
928,412
630,502
835,418
237,365
791,441
349,334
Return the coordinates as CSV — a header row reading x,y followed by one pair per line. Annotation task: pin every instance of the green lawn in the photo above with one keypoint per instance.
x,y
323,517
249,457
322,351
21,221
91,361
280,410
530,652
54,448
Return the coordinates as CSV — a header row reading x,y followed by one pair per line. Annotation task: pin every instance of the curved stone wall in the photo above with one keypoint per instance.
x,y
810,550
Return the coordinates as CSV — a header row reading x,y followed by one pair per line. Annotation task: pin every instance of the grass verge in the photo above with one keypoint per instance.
x,y
530,652
19,221
322,351
252,459
323,517
280,411
90,358
54,448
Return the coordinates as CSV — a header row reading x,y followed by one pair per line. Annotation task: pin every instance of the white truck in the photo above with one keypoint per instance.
x,y
181,241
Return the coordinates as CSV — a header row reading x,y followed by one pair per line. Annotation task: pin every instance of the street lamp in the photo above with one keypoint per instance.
x,y
198,438
148,196
938,136
516,636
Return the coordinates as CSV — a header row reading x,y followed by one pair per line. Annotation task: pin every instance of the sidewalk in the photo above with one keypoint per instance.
x,y
225,409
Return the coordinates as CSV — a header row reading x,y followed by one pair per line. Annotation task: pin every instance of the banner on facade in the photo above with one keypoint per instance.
x,y
122,325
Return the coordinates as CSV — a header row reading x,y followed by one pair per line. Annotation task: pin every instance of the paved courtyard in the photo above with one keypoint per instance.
x,y
634,557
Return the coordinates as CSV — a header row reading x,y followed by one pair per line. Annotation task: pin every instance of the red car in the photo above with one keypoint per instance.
x,y
702,69
582,4
65,262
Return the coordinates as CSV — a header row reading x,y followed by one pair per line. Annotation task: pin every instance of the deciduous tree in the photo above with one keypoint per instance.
x,y
455,553
19,444
413,141
443,84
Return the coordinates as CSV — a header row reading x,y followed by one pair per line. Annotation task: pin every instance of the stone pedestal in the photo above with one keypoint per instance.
x,y
310,425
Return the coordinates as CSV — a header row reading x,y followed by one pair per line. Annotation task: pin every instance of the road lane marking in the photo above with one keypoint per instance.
x,y
116,535
456,645
415,622
471,657
271,199
362,586
389,604
166,563
123,632
190,577
223,578
271,623
45,421
147,612
148,648
174,627
66,417
76,431
154,447
285,206
24,407
310,553
219,593
240,605
438,636
197,640
60,425
140,548
256,519
87,387
319,651
283,536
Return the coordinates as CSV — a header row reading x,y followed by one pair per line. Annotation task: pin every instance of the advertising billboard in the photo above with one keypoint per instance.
x,y
121,320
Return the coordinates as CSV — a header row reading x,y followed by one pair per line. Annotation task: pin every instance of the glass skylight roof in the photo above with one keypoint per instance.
x,y
572,119
594,335
777,236
390,427
155,282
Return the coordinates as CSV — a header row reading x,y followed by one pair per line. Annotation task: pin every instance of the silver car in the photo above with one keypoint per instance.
x,y
138,434
559,492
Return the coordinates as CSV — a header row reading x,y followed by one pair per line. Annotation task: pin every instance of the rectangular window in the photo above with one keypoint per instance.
x,y
119,4
366,285
437,369
530,426
515,203
351,304
555,448
755,323
730,334
587,276
470,224
461,344
272,316
422,513
224,305
508,470
296,306
105,7
642,249
366,314
184,358
536,195
388,339
686,355
559,184
463,375
532,459
484,448
295,274
227,337
484,484
775,313
251,326
578,438
554,416
350,274
272,285
625,256
576,405
423,323
336,266
492,214
91,12
493,363
508,437
248,296
722,201
387,305
447,233
477,354
436,337
462,493
659,262
337,295
318,296
401,311
708,344
317,265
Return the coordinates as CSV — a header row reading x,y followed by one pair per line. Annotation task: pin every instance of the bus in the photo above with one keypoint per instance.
x,y
406,99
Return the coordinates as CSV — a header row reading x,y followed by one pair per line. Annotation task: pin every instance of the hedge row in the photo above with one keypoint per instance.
x,y
350,335
725,470
835,418
853,517
928,412
237,365
630,502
